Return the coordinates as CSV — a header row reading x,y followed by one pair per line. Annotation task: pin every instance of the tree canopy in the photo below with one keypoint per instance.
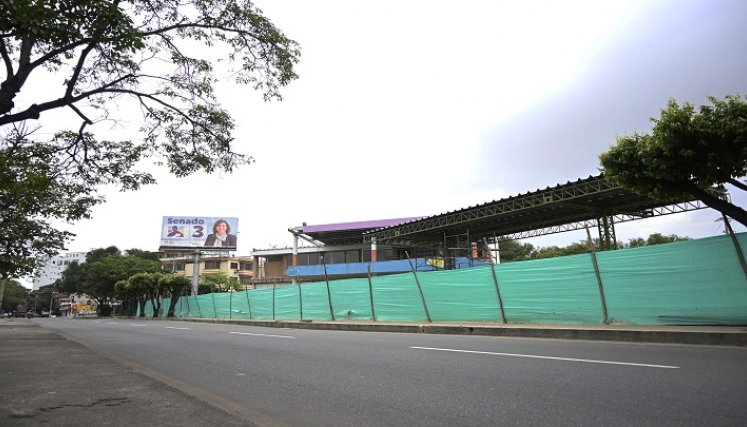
x,y
217,282
12,294
688,153
511,250
160,58
101,272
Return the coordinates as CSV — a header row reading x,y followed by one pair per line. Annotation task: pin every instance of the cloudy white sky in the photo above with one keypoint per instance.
x,y
408,108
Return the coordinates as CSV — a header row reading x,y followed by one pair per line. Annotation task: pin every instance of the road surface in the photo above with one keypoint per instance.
x,y
325,378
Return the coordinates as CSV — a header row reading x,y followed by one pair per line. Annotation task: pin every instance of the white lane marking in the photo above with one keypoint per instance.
x,y
534,356
174,327
137,324
262,335
112,323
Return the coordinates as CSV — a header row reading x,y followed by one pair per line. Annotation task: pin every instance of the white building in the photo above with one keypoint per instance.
x,y
51,268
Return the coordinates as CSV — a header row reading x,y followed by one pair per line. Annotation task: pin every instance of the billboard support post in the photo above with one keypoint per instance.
x,y
196,273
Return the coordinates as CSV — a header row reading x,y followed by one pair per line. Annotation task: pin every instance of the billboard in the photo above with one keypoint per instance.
x,y
213,233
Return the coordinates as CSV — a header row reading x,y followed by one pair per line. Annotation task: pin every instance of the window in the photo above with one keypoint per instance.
x,y
246,266
303,259
246,280
314,258
384,254
352,256
337,257
212,265
234,266
311,258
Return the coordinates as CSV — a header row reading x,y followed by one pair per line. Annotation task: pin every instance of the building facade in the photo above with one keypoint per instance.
x,y
337,251
240,267
51,268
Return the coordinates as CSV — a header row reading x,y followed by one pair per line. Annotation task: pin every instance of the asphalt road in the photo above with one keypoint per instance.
x,y
332,378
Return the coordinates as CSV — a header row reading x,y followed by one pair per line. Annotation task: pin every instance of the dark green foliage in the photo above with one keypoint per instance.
x,y
686,155
512,250
658,239
173,286
12,294
219,282
103,269
153,56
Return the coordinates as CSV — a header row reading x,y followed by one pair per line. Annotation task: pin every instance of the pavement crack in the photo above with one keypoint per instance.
x,y
113,401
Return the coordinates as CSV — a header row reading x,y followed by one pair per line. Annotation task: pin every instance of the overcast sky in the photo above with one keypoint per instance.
x,y
409,108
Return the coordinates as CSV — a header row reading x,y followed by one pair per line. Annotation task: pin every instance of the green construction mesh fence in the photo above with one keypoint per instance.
x,y
691,282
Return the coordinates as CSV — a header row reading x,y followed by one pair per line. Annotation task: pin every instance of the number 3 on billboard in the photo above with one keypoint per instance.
x,y
197,231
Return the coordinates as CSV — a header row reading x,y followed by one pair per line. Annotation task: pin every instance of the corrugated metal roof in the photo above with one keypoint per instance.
x,y
357,225
585,199
346,233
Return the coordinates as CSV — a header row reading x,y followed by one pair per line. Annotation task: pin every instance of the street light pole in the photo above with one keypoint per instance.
x,y
51,298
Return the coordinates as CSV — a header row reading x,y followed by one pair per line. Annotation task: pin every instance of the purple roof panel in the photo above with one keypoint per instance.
x,y
358,225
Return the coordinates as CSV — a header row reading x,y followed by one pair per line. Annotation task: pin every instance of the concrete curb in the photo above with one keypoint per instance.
x,y
696,335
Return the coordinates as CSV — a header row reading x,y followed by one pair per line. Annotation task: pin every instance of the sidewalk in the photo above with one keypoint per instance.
x,y
47,379
697,335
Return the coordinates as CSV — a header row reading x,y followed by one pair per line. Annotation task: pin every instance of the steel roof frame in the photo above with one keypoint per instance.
x,y
567,207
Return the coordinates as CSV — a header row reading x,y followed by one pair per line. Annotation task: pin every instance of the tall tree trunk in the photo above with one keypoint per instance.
x,y
2,291
141,301
714,202
172,305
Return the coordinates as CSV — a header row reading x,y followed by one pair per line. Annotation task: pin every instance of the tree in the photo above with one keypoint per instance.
x,y
687,153
44,298
127,297
72,278
173,285
143,286
511,250
100,273
658,239
218,282
31,191
636,242
108,57
547,252
12,294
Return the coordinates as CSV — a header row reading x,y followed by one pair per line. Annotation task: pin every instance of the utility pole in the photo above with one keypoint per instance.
x,y
2,292
51,299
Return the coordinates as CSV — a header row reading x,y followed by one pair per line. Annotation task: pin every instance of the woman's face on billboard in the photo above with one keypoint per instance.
x,y
220,228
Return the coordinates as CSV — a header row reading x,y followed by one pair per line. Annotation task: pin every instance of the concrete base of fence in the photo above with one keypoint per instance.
x,y
697,335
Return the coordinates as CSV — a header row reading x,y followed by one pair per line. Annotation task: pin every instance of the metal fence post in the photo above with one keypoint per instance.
x,y
300,301
599,276
370,293
737,247
248,304
329,295
497,290
420,290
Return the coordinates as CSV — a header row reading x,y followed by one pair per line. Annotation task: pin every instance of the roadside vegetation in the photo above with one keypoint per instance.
x,y
158,57
690,153
512,250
